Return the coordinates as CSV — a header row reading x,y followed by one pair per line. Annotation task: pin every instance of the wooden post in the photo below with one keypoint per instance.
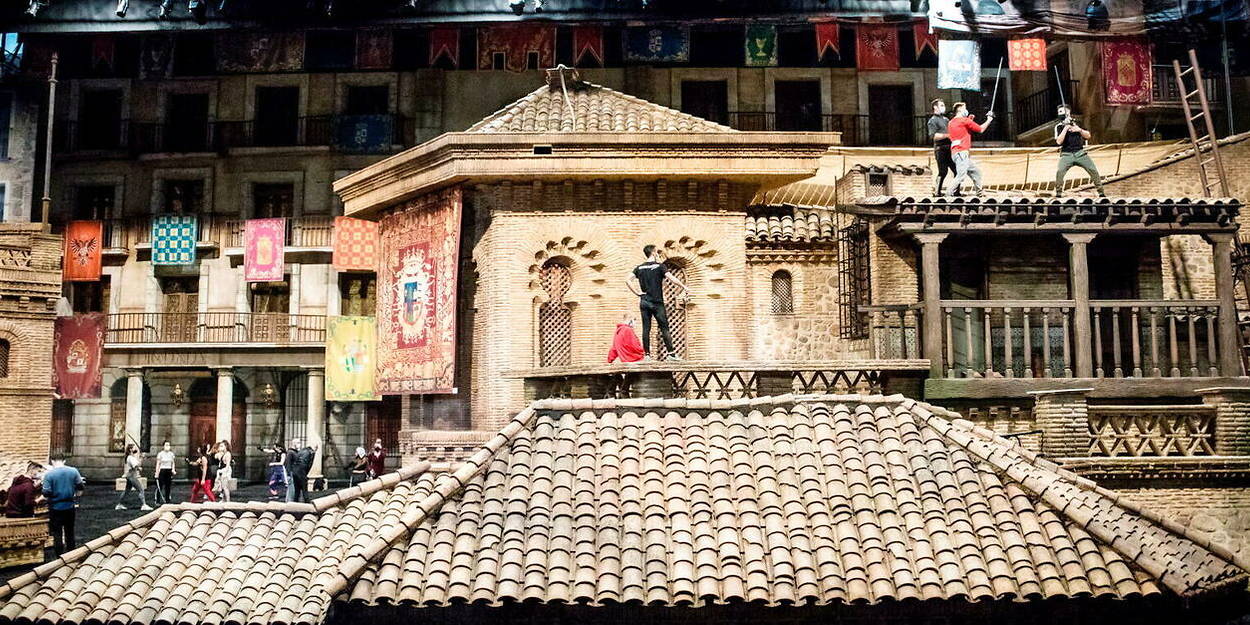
x,y
1078,268
930,243
1229,336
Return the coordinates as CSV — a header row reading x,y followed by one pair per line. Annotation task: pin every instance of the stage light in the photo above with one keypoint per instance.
x,y
35,6
1097,16
122,7
517,6
166,7
199,10
538,6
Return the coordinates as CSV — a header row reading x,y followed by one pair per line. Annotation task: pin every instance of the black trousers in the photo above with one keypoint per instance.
x,y
301,487
164,486
650,309
945,165
61,524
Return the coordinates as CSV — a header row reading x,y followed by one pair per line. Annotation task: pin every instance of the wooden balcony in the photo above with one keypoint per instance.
x,y
303,232
215,230
262,329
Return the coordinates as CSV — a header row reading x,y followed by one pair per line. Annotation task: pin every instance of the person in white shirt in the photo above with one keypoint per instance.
x,y
225,464
133,474
165,463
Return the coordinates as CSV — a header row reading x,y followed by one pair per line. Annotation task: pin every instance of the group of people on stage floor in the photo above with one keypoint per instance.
x,y
952,148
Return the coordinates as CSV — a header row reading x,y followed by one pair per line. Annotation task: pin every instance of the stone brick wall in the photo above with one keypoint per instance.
x,y
809,333
1221,514
1232,418
1063,418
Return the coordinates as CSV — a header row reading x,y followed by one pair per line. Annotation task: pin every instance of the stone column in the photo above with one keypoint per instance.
x,y
225,405
134,405
1063,417
1078,275
930,244
1229,336
316,418
1232,419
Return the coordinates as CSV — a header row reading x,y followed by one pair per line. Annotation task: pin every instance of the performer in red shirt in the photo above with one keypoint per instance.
x,y
625,344
960,131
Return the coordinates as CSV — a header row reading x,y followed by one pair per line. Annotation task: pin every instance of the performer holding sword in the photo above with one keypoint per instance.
x,y
960,132
1071,139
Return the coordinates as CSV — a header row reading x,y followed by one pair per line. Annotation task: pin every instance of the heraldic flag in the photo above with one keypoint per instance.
x,y
78,346
351,343
173,239
264,244
1126,68
959,64
83,246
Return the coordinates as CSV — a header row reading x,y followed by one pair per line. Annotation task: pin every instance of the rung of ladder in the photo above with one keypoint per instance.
x,y
1187,70
1191,94
1209,160
1196,117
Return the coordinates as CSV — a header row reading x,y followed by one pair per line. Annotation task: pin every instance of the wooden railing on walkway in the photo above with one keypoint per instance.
x,y
222,327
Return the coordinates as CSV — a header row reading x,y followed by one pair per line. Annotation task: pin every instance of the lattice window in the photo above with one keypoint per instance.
x,y
555,317
295,409
62,426
783,292
854,280
675,306
384,420
4,358
878,184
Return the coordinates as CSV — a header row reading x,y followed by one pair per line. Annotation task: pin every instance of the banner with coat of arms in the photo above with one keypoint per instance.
x,y
78,347
657,44
83,248
416,303
264,245
959,64
1126,69
761,45
174,237
260,52
351,344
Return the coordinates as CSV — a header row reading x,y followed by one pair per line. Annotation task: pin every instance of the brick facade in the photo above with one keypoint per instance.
x,y
30,284
1063,418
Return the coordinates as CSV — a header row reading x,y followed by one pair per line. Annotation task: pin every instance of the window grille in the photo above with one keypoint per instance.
x,y
62,426
783,293
675,306
555,318
295,409
878,184
854,280
4,358
383,420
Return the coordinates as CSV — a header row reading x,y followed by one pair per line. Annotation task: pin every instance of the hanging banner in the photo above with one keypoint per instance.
x,y
364,134
657,44
445,42
761,45
1026,55
828,37
1126,70
417,285
260,52
264,245
588,39
924,37
103,52
355,245
515,42
156,57
373,49
876,47
1072,18
351,343
959,64
37,57
173,239
84,244
78,349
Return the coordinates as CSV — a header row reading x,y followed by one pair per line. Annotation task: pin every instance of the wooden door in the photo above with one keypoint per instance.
x,y
798,105
890,114
202,427
238,432
271,318
182,306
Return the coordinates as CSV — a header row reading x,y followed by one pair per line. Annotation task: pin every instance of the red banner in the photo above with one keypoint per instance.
x,y
373,49
103,51
515,42
924,38
445,41
828,37
355,245
264,244
78,347
588,39
84,242
417,284
1126,69
1026,55
876,47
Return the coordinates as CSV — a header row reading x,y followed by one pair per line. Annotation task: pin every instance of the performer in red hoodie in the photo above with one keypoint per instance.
x,y
625,344
960,132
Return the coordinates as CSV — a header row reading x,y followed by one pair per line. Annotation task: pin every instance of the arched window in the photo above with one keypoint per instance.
x,y
555,317
783,292
4,358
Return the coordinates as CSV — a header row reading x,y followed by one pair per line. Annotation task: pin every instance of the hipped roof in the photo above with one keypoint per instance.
x,y
807,499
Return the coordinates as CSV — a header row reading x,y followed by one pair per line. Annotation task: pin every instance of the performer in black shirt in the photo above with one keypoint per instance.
x,y
648,284
941,145
1071,140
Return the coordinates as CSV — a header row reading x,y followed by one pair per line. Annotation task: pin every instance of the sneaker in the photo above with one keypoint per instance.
x,y
674,357
146,507
119,507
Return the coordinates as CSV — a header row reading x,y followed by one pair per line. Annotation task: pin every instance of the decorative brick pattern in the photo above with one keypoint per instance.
x,y
1232,419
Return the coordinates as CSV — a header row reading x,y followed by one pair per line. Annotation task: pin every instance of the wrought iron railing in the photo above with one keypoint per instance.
x,y
856,129
1152,431
1039,108
223,327
127,232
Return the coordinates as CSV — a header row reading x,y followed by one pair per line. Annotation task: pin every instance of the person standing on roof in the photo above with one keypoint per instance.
x,y
647,283
1071,139
938,133
960,132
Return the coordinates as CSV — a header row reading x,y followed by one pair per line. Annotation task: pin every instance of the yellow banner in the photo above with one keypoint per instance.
x,y
351,343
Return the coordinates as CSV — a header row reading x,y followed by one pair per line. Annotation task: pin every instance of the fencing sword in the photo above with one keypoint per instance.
x,y
994,98
1062,100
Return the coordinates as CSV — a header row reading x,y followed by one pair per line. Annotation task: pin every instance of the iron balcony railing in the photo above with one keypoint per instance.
x,y
128,232
857,130
215,327
1163,89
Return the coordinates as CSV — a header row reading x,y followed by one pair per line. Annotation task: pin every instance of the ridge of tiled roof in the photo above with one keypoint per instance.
x,y
791,225
1175,157
590,108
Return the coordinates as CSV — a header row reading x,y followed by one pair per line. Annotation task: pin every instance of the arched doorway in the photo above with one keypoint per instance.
x,y
202,424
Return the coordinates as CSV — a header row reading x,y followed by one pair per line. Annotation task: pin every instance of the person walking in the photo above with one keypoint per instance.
x,y
377,460
941,139
359,471
19,502
165,469
61,486
647,283
201,483
960,132
133,474
300,466
1071,139
275,472
225,470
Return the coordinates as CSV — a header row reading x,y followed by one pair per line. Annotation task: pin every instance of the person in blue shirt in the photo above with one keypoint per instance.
x,y
61,486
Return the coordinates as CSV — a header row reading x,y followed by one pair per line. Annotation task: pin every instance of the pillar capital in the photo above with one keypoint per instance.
x,y
930,238
1216,238
134,373
1079,238
223,372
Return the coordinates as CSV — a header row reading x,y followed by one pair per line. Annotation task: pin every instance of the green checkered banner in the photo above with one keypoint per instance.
x,y
173,239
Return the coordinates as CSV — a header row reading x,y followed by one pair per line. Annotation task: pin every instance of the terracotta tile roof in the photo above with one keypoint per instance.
x,y
791,224
666,502
589,108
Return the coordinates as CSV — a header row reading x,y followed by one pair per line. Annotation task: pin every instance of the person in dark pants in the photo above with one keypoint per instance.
x,y
301,464
1071,139
648,284
941,145
61,486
